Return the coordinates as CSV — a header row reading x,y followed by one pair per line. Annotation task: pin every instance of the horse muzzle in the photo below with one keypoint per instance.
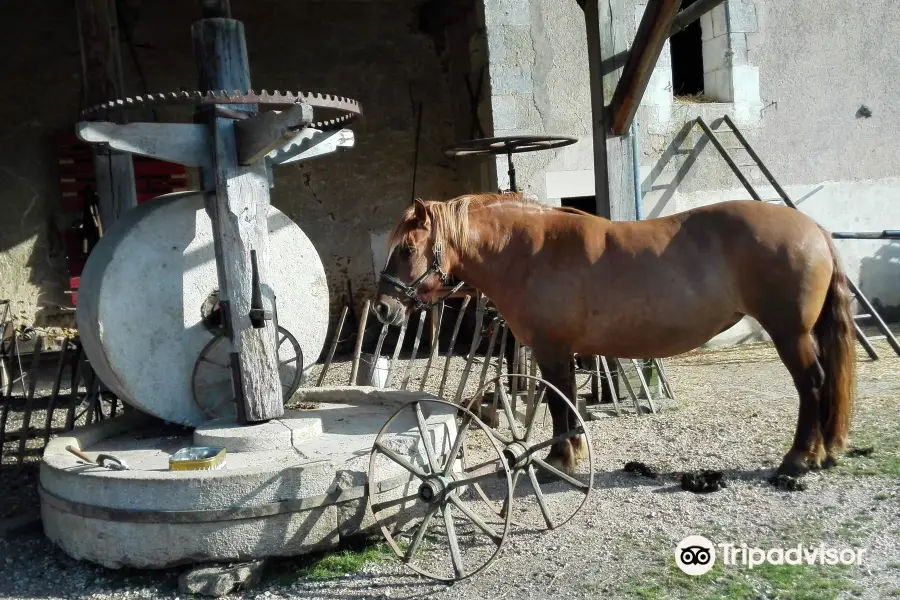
x,y
389,311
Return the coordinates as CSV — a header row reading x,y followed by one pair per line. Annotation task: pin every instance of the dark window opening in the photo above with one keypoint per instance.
x,y
687,58
586,203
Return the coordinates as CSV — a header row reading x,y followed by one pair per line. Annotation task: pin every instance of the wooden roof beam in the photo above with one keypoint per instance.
x,y
651,35
691,14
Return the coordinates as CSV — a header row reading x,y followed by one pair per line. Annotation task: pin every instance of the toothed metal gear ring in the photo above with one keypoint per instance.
x,y
349,107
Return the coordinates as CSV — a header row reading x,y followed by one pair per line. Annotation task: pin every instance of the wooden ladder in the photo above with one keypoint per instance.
x,y
869,310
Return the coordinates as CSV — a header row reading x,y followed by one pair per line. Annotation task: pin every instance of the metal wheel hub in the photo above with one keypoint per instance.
x,y
434,490
518,455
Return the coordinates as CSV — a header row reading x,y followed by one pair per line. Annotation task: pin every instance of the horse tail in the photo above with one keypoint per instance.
x,y
836,337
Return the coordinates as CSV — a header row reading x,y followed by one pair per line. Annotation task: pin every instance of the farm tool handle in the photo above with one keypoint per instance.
x,y
258,314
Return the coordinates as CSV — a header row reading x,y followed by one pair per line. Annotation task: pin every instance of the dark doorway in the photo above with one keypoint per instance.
x,y
586,203
687,58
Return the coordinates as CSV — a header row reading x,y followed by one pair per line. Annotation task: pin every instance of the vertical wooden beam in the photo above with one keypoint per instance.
x,y
237,200
102,80
607,35
651,35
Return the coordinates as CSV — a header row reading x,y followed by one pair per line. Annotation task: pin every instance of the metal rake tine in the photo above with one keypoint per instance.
x,y
437,315
415,350
643,383
357,350
334,343
598,360
456,326
624,377
479,319
377,354
400,339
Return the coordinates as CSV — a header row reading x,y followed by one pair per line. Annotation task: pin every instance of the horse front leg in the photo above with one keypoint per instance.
x,y
558,370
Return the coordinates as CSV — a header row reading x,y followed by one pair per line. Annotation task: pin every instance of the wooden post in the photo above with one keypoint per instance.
x,y
102,81
237,202
613,159
613,176
652,33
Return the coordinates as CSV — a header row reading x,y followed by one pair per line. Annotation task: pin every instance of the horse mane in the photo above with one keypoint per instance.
x,y
450,218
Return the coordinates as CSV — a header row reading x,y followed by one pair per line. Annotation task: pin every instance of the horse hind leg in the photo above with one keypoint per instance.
x,y
799,355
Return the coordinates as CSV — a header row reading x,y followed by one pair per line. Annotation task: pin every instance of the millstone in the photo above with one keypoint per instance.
x,y
143,290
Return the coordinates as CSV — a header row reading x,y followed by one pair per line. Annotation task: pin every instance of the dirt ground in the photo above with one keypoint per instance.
x,y
735,412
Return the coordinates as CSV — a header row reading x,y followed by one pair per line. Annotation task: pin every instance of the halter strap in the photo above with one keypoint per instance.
x,y
411,290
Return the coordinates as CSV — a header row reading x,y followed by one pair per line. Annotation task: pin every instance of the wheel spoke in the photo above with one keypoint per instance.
x,y
551,469
289,360
457,443
455,554
477,469
218,405
508,501
507,409
212,362
540,496
420,532
560,438
401,461
281,341
476,478
426,440
391,503
487,529
529,427
500,438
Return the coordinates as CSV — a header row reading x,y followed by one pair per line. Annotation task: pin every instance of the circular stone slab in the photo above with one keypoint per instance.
x,y
143,287
306,492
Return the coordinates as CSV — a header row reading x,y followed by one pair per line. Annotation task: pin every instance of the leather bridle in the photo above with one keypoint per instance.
x,y
411,290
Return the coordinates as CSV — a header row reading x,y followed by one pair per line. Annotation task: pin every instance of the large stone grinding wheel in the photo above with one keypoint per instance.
x,y
142,294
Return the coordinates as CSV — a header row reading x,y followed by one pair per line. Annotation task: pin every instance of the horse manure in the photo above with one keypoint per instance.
x,y
639,468
855,452
786,482
703,482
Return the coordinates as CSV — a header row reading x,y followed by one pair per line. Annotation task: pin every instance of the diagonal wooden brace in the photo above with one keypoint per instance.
x,y
185,144
311,143
260,134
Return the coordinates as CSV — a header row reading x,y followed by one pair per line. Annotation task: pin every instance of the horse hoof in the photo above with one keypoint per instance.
x,y
792,468
829,462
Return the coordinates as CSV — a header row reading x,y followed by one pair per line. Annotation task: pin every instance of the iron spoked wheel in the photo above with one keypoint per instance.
x,y
509,145
211,385
550,497
448,535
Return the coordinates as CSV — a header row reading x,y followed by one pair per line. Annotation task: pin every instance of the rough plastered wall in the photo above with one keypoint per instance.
x,y
39,95
798,74
374,52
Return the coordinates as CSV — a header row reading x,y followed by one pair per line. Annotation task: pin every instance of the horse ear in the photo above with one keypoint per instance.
x,y
422,217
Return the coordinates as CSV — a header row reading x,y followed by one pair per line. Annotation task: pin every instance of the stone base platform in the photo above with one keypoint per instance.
x,y
290,486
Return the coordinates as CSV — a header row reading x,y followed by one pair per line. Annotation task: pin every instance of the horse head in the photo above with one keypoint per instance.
x,y
416,269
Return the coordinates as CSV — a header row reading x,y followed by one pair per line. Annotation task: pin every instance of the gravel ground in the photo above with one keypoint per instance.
x,y
735,412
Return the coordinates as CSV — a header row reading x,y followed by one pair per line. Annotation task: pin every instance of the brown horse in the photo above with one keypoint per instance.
x,y
568,282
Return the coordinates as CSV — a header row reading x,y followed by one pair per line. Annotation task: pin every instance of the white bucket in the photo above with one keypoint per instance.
x,y
379,373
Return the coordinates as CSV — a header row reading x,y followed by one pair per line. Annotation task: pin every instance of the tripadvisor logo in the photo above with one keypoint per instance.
x,y
696,555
